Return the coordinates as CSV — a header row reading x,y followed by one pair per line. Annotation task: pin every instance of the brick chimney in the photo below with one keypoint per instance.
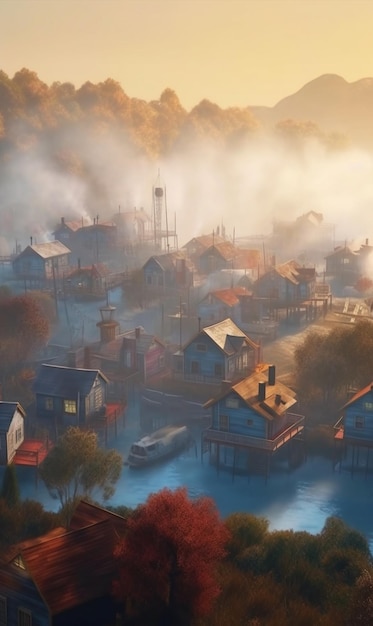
x,y
272,375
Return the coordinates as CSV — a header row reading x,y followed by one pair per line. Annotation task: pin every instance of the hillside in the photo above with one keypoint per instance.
x,y
332,103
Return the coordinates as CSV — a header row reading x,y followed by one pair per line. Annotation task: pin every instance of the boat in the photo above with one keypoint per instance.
x,y
160,444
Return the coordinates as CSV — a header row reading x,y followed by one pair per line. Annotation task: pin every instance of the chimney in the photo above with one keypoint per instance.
x,y
62,220
262,391
272,375
137,332
30,241
278,399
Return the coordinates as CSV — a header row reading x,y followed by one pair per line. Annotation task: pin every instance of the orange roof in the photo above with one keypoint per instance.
x,y
229,296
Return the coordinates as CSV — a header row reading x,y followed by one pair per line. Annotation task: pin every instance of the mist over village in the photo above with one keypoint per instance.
x,y
186,317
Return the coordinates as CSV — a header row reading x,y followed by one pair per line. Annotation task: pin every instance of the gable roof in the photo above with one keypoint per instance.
x,y
278,397
228,296
97,270
72,568
60,381
359,394
87,513
72,225
227,336
168,261
342,250
48,250
7,410
225,249
204,241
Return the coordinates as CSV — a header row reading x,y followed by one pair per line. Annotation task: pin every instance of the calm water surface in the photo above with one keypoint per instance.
x,y
300,500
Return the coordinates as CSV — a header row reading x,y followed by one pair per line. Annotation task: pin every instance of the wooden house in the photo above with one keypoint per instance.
x,y
63,578
220,352
286,284
167,272
219,256
342,266
87,280
197,245
251,420
12,430
66,229
95,243
42,261
70,396
220,304
133,227
354,429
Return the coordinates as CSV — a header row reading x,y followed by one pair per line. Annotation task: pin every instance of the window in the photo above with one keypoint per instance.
x,y
224,422
24,617
232,403
368,406
249,422
18,434
194,367
3,611
359,421
69,406
49,404
345,261
201,347
218,369
18,561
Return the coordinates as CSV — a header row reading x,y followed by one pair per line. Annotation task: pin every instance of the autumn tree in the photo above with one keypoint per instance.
x,y
10,487
77,468
168,558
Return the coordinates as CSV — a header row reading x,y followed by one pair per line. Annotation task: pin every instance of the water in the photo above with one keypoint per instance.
x,y
300,500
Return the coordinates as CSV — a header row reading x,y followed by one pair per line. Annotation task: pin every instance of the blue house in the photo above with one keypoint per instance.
x,y
219,352
12,431
354,429
167,272
42,261
251,420
70,396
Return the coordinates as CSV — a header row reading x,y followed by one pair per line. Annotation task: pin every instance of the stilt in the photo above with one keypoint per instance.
x,y
218,458
234,463
353,460
367,463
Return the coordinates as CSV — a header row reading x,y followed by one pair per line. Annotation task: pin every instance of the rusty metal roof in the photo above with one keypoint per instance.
x,y
87,513
229,296
359,394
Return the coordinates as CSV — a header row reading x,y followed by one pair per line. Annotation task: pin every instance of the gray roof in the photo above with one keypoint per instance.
x,y
47,250
65,382
227,336
7,411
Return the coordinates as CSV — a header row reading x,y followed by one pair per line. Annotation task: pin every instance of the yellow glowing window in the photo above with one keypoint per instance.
x,y
69,406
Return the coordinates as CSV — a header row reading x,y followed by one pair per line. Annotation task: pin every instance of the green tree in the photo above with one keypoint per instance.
x,y
246,530
77,467
10,487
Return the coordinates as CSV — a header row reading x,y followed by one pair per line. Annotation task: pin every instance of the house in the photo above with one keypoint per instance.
x,y
342,266
219,256
220,352
197,245
167,272
70,396
42,261
308,236
354,429
66,229
220,304
251,421
286,284
65,577
95,243
87,281
133,227
12,430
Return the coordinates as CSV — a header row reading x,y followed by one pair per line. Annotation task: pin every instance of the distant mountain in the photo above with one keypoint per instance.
x,y
332,103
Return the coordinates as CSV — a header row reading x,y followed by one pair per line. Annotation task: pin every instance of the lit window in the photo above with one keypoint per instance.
x,y
24,618
359,421
49,404
69,406
18,561
368,406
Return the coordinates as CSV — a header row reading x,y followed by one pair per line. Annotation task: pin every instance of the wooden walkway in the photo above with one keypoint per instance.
x,y
32,452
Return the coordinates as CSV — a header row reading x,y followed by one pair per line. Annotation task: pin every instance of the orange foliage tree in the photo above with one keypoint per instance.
x,y
167,561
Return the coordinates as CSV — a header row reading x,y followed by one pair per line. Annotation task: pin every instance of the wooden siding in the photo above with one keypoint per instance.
x,y
359,409
21,592
207,360
87,406
239,418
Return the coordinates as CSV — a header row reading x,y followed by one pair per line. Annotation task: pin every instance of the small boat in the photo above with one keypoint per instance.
x,y
161,444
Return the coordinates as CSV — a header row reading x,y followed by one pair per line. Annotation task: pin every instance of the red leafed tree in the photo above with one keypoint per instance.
x,y
168,559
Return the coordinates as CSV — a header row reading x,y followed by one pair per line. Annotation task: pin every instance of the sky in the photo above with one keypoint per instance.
x,y
232,52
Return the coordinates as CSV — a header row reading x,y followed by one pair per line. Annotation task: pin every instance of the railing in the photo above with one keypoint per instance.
x,y
246,441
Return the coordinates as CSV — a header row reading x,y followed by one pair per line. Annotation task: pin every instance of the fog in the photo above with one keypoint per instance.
x,y
243,187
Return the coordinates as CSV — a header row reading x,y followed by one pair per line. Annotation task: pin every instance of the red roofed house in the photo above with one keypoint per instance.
x,y
220,304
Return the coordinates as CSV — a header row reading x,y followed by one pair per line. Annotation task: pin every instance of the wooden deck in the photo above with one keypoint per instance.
x,y
32,452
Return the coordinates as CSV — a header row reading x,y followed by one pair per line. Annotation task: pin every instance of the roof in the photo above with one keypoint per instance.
x,y
293,272
341,250
312,217
46,250
246,259
98,270
87,513
227,336
168,261
7,410
72,225
228,296
204,241
111,349
226,249
60,381
278,397
74,567
359,394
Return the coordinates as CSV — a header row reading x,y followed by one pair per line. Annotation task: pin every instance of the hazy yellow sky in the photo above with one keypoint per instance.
x,y
232,52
